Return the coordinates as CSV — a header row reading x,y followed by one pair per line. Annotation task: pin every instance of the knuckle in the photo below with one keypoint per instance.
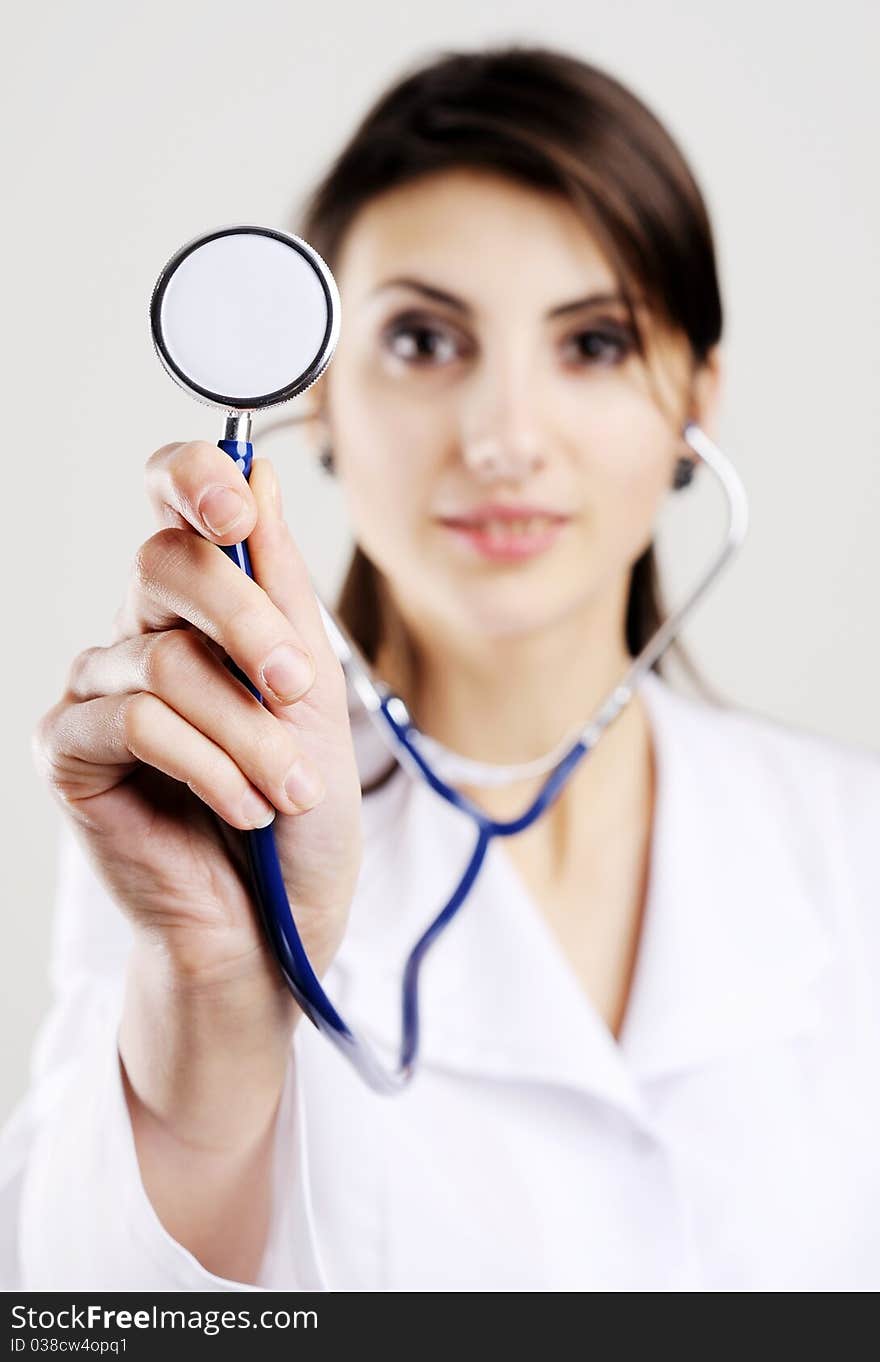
x,y
175,452
44,737
157,553
170,653
80,668
192,460
195,449
160,457
137,717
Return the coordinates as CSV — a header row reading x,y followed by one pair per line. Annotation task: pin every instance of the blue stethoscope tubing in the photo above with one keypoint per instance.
x,y
389,713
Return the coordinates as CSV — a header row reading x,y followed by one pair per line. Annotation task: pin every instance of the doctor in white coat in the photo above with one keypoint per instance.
x,y
650,1040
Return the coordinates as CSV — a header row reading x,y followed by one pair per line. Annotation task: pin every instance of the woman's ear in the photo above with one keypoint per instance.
x,y
316,426
312,417
706,391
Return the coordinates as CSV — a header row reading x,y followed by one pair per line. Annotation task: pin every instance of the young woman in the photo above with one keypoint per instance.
x,y
650,1039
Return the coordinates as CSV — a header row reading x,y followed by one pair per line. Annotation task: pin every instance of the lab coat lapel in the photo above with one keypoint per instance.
x,y
729,942
733,935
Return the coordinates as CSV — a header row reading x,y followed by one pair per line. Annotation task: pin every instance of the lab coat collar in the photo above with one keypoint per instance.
x,y
731,937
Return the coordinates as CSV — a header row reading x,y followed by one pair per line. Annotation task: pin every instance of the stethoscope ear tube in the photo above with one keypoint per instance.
x,y
419,755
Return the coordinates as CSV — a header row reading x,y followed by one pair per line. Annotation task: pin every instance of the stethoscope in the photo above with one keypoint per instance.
x,y
246,318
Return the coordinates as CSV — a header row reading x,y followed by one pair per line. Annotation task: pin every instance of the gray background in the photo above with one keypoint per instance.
x,y
129,131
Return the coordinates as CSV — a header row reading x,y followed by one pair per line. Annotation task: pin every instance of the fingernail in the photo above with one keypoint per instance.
x,y
258,812
303,785
219,508
287,672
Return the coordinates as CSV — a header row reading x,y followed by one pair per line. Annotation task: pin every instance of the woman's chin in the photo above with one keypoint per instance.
x,y
519,615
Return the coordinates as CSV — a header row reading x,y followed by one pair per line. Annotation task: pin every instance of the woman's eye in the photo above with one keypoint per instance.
x,y
421,343
599,345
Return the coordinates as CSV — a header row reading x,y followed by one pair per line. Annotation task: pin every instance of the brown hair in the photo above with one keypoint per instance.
x,y
549,120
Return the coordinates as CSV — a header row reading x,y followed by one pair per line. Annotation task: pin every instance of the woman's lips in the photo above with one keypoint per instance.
x,y
508,537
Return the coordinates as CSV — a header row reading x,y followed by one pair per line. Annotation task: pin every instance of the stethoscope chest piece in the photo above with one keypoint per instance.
x,y
245,317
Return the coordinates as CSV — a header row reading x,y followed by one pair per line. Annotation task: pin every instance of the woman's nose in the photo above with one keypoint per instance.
x,y
502,439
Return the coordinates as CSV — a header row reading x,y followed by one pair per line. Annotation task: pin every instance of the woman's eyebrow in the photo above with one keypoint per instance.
x,y
589,300
439,295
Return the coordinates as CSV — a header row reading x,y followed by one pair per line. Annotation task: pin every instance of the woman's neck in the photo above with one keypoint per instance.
x,y
512,699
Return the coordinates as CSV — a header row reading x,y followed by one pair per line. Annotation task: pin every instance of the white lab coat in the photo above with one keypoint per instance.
x,y
730,1141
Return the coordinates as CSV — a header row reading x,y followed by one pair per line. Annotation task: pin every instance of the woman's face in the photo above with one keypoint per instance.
x,y
500,444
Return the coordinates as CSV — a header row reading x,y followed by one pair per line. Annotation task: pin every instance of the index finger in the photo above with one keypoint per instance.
x,y
196,483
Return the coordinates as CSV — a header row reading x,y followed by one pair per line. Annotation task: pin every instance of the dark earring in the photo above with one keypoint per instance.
x,y
684,474
326,459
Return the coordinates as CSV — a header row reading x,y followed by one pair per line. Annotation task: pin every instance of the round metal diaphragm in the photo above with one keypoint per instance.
x,y
245,317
